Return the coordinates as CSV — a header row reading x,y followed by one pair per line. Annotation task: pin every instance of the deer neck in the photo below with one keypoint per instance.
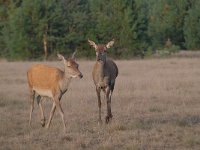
x,y
100,70
66,79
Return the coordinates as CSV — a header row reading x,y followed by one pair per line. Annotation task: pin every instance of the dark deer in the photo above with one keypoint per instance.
x,y
104,74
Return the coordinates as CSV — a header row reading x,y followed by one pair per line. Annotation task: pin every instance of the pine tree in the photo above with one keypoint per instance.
x,y
113,20
34,28
191,26
166,21
76,14
4,5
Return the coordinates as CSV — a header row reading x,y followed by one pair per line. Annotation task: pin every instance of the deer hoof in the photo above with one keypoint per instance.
x,y
43,122
100,122
108,118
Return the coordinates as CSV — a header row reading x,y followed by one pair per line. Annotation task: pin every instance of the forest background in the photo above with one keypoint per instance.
x,y
36,30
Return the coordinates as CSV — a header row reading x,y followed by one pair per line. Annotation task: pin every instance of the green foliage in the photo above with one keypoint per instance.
x,y
166,21
138,27
112,21
191,27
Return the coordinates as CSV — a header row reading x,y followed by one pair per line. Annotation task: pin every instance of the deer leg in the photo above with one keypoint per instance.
x,y
61,113
108,99
110,104
39,101
99,104
32,96
51,114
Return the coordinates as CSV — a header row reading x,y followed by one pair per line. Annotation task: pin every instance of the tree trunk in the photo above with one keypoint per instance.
x,y
45,46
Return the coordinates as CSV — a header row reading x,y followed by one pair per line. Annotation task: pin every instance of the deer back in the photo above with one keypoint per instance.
x,y
44,77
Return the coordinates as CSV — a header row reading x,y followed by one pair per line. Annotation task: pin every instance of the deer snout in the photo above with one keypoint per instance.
x,y
80,75
102,85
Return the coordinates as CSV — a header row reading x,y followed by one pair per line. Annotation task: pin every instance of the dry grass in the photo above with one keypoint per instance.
x,y
156,105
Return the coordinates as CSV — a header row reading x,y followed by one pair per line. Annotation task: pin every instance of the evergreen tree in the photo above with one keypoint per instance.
x,y
30,25
77,25
166,21
113,20
34,29
4,4
192,26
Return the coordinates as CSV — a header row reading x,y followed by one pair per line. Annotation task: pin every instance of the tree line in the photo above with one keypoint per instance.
x,y
35,29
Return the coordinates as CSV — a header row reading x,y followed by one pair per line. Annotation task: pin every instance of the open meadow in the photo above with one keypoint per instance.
x,y
155,106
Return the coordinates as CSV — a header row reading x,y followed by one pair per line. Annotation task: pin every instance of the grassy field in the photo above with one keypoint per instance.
x,y
156,106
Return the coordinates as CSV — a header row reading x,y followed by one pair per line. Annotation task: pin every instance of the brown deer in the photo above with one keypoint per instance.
x,y
47,81
104,74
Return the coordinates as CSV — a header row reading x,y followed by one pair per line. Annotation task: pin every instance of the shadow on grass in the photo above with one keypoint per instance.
x,y
2,104
149,123
188,121
12,103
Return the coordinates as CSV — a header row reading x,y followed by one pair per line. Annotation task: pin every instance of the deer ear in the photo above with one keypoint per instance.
x,y
110,44
92,44
61,57
73,55
68,64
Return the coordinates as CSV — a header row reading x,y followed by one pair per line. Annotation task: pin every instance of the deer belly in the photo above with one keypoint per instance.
x,y
43,92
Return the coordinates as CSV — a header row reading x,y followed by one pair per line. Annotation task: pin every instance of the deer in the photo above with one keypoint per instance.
x,y
104,74
48,81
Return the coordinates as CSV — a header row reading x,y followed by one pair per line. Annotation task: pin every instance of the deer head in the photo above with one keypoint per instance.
x,y
71,67
101,50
